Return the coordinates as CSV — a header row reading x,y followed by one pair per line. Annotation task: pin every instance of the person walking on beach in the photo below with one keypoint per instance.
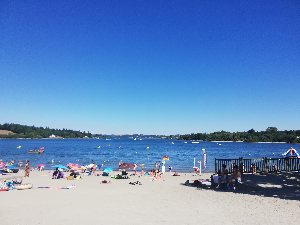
x,y
94,168
27,168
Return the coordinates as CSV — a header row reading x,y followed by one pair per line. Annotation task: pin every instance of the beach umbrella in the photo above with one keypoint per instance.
x,y
291,153
126,166
60,167
108,170
73,165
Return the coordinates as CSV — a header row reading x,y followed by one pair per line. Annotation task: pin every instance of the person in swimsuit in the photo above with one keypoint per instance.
x,y
235,178
27,168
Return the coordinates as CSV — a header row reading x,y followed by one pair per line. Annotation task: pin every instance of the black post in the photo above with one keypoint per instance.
x,y
241,165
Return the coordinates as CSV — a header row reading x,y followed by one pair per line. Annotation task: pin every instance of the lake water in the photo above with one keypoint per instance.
x,y
145,151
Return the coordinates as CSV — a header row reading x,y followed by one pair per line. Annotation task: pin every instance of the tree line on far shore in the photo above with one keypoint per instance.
x,y
271,134
23,131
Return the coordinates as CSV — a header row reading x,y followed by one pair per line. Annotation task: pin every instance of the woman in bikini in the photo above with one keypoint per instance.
x,y
27,168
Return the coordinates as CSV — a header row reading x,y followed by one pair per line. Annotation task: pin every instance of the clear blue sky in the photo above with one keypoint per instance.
x,y
152,67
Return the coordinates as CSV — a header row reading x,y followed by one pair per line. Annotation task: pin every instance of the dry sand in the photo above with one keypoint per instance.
x,y
154,202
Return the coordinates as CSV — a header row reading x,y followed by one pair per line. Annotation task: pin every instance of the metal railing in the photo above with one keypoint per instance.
x,y
260,165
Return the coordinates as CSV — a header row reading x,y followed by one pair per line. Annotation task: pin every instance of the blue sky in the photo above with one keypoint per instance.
x,y
152,67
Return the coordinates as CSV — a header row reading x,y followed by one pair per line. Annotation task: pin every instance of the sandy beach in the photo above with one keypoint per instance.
x,y
165,201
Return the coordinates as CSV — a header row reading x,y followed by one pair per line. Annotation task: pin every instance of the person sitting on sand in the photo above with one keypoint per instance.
x,y
223,177
124,174
55,174
235,178
73,174
60,174
176,174
155,174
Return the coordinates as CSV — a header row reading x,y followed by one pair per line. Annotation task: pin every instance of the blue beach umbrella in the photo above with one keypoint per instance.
x,y
60,167
108,170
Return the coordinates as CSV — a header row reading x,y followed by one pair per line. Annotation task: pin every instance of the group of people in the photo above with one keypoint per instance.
x,y
57,174
224,180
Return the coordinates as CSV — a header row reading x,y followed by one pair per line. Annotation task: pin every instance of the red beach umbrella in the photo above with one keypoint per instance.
x,y
126,166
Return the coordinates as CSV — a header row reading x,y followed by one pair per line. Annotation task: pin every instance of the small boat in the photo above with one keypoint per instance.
x,y
195,142
23,186
36,151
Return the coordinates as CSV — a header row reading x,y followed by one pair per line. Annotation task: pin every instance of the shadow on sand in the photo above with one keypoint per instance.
x,y
280,185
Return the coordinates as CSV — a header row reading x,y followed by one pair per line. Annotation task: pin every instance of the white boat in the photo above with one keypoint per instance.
x,y
195,142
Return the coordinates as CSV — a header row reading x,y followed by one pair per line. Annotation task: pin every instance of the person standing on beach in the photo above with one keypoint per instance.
x,y
20,164
94,168
27,168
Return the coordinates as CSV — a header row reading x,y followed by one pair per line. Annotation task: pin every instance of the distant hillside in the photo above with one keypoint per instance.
x,y
11,130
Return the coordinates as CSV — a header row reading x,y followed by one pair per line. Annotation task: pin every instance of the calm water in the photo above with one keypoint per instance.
x,y
181,154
